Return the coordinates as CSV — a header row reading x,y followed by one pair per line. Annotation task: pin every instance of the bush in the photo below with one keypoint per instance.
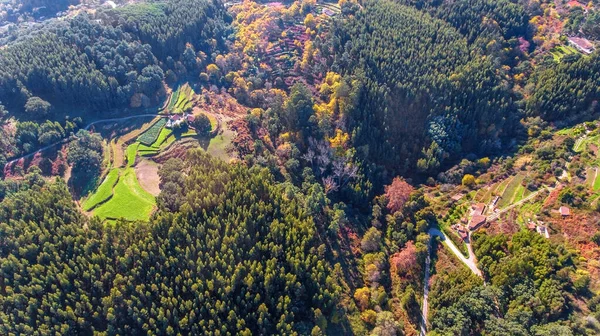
x,y
202,125
468,180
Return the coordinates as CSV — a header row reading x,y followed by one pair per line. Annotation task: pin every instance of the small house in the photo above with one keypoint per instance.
x,y
582,44
564,211
478,209
174,120
476,222
456,198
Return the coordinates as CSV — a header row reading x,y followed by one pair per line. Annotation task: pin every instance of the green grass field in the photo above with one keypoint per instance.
x,y
511,190
129,200
132,153
596,185
582,143
559,52
528,211
218,145
103,192
181,99
164,134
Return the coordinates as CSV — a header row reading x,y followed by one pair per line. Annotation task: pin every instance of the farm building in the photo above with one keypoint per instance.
x,y
178,119
478,209
564,211
462,232
476,222
456,198
582,44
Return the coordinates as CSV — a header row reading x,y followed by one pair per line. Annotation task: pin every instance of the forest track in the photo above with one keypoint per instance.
x,y
64,140
471,263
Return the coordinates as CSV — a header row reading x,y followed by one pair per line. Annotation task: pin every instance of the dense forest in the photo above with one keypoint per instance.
x,y
86,64
306,165
528,289
432,101
567,91
228,252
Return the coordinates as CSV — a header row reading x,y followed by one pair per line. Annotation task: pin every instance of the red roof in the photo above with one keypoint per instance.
x,y
582,42
575,4
564,211
476,222
175,117
478,209
190,117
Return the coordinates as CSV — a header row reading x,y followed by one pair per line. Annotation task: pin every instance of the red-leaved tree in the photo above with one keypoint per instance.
x,y
397,194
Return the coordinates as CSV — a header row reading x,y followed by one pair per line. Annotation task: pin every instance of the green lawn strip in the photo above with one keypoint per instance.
x,y
164,134
174,98
129,200
590,174
143,147
180,101
149,137
104,191
596,185
189,133
168,142
502,186
509,192
105,153
519,193
131,153
148,153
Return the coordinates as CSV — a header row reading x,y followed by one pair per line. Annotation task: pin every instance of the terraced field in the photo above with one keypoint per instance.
x,y
513,192
561,51
181,99
104,191
149,137
129,201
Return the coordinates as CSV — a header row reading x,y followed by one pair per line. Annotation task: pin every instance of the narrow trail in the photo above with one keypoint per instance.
x,y
495,215
87,127
470,262
425,310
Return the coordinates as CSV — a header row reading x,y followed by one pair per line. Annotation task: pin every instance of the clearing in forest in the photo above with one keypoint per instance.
x,y
129,201
104,191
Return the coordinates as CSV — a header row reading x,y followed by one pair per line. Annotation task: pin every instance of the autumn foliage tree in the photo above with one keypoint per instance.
x,y
397,194
404,261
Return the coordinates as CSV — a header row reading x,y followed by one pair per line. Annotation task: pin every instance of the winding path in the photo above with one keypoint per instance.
x,y
62,141
470,262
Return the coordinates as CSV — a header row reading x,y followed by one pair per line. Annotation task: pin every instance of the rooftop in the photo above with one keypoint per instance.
x,y
476,221
582,43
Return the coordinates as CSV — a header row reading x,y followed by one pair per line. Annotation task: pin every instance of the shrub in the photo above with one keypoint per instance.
x,y
468,180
